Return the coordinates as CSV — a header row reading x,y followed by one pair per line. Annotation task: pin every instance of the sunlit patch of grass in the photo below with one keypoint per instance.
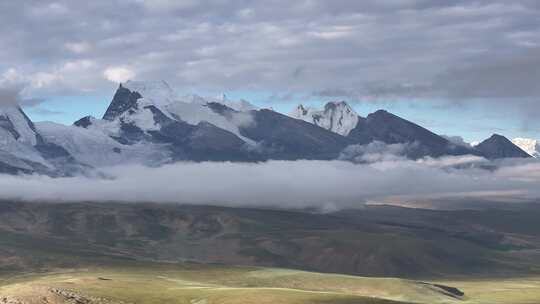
x,y
207,284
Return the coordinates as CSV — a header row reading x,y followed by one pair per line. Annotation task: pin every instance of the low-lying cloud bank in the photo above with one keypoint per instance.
x,y
327,185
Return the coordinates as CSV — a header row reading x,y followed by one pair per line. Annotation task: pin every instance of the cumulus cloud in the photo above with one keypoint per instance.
x,y
118,74
327,185
388,47
12,86
243,119
10,95
460,52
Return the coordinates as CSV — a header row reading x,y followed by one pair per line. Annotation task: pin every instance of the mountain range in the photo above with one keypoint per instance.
x,y
147,123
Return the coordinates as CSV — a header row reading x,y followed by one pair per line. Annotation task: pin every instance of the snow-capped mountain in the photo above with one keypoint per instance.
x,y
531,146
23,149
148,123
382,126
18,125
138,103
96,148
150,114
18,139
336,116
385,127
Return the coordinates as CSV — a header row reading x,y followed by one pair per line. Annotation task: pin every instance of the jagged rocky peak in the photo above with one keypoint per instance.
x,y
498,146
85,122
337,116
123,100
131,93
300,111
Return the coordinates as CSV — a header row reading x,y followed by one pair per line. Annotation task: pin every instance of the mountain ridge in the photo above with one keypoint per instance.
x,y
147,123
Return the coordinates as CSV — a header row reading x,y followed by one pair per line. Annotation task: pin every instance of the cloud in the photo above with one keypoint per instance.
x,y
242,119
118,74
9,95
328,185
457,140
375,151
77,47
167,5
399,44
461,51
11,89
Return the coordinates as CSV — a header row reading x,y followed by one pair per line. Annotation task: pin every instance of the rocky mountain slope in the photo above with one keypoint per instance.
x,y
391,129
388,128
374,241
498,146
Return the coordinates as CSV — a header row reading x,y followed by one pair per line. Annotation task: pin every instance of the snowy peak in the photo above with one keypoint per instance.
x,y
240,105
132,94
337,116
85,122
15,123
133,97
140,110
154,92
529,145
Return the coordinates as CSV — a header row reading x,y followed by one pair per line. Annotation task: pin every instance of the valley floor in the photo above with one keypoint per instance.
x,y
206,284
88,253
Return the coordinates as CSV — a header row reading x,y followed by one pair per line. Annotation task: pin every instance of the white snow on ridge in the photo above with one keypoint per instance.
x,y
160,93
531,146
196,112
192,109
21,144
20,124
95,148
155,92
142,118
337,117
20,150
237,105
13,161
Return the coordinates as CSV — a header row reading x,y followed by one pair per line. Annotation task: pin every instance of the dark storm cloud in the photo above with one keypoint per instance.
x,y
363,49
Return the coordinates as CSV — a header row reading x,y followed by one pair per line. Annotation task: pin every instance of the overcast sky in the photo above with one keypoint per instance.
x,y
467,67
